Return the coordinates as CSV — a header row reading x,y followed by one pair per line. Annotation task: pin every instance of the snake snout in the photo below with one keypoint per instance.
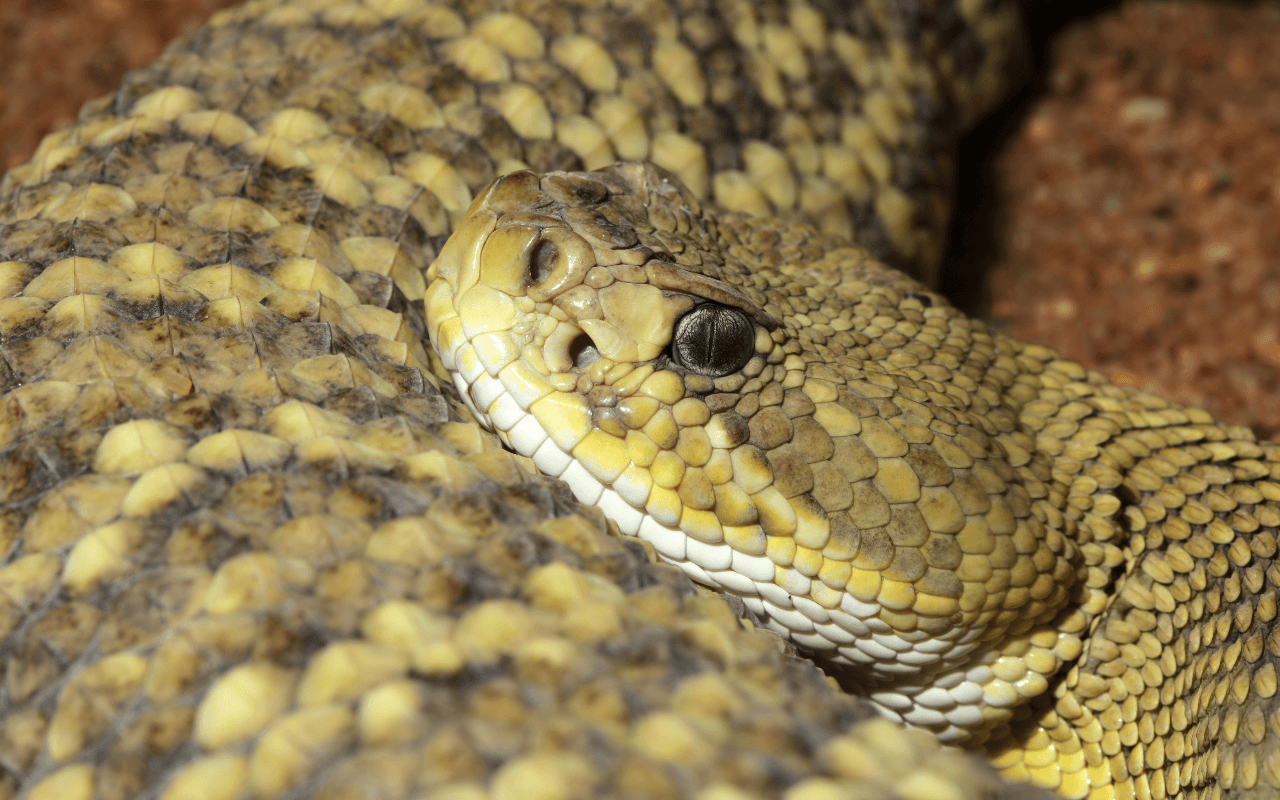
x,y
569,347
557,263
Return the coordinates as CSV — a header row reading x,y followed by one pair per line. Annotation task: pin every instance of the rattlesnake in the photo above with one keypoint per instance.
x,y
257,547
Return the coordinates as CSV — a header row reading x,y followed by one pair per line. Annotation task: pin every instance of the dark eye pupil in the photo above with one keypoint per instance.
x,y
713,340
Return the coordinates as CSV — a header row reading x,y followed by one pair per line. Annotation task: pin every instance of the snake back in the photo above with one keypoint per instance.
x,y
253,543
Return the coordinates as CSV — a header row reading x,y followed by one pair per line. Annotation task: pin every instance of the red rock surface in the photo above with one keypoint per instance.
x,y
1144,206
56,54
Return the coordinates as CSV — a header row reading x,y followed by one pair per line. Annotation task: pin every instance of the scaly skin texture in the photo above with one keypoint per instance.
x,y
994,544
255,546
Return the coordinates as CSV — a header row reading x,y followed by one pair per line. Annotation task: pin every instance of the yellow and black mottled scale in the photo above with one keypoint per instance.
x,y
251,550
1089,572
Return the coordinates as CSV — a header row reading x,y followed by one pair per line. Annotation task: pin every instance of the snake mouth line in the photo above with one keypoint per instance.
x,y
855,632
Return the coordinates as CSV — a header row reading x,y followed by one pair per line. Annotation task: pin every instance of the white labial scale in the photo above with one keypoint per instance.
x,y
797,585
634,492
669,544
710,580
506,412
584,485
484,390
951,735
461,384
527,436
892,716
877,625
620,511
446,355
895,667
930,708
969,637
696,572
551,459
711,557
468,363
495,350
1000,694
526,384
948,681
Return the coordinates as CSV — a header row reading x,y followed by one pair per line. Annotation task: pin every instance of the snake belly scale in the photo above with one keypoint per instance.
x,y
256,546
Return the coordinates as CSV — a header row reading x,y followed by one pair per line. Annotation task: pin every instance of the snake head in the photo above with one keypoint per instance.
x,y
774,412
587,319
542,244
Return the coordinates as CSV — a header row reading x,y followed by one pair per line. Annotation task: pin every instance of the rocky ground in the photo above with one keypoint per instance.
x,y
1141,206
56,54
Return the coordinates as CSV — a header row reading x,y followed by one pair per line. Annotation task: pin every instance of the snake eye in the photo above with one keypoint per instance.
x,y
713,340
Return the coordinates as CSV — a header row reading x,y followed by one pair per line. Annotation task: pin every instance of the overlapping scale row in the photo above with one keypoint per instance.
x,y
781,108
1002,548
860,501
250,547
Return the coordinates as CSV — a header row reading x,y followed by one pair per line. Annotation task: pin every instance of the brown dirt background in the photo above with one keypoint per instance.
x,y
1136,203
56,54
1142,206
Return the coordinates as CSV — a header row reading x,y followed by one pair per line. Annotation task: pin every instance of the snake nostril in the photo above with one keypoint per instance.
x,y
543,261
583,352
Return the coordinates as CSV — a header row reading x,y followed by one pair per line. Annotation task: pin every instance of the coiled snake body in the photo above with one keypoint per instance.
x,y
255,544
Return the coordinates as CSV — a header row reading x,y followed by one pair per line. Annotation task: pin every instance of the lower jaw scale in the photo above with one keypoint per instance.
x,y
839,633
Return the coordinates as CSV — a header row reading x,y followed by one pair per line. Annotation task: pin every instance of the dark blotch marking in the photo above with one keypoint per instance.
x,y
543,262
